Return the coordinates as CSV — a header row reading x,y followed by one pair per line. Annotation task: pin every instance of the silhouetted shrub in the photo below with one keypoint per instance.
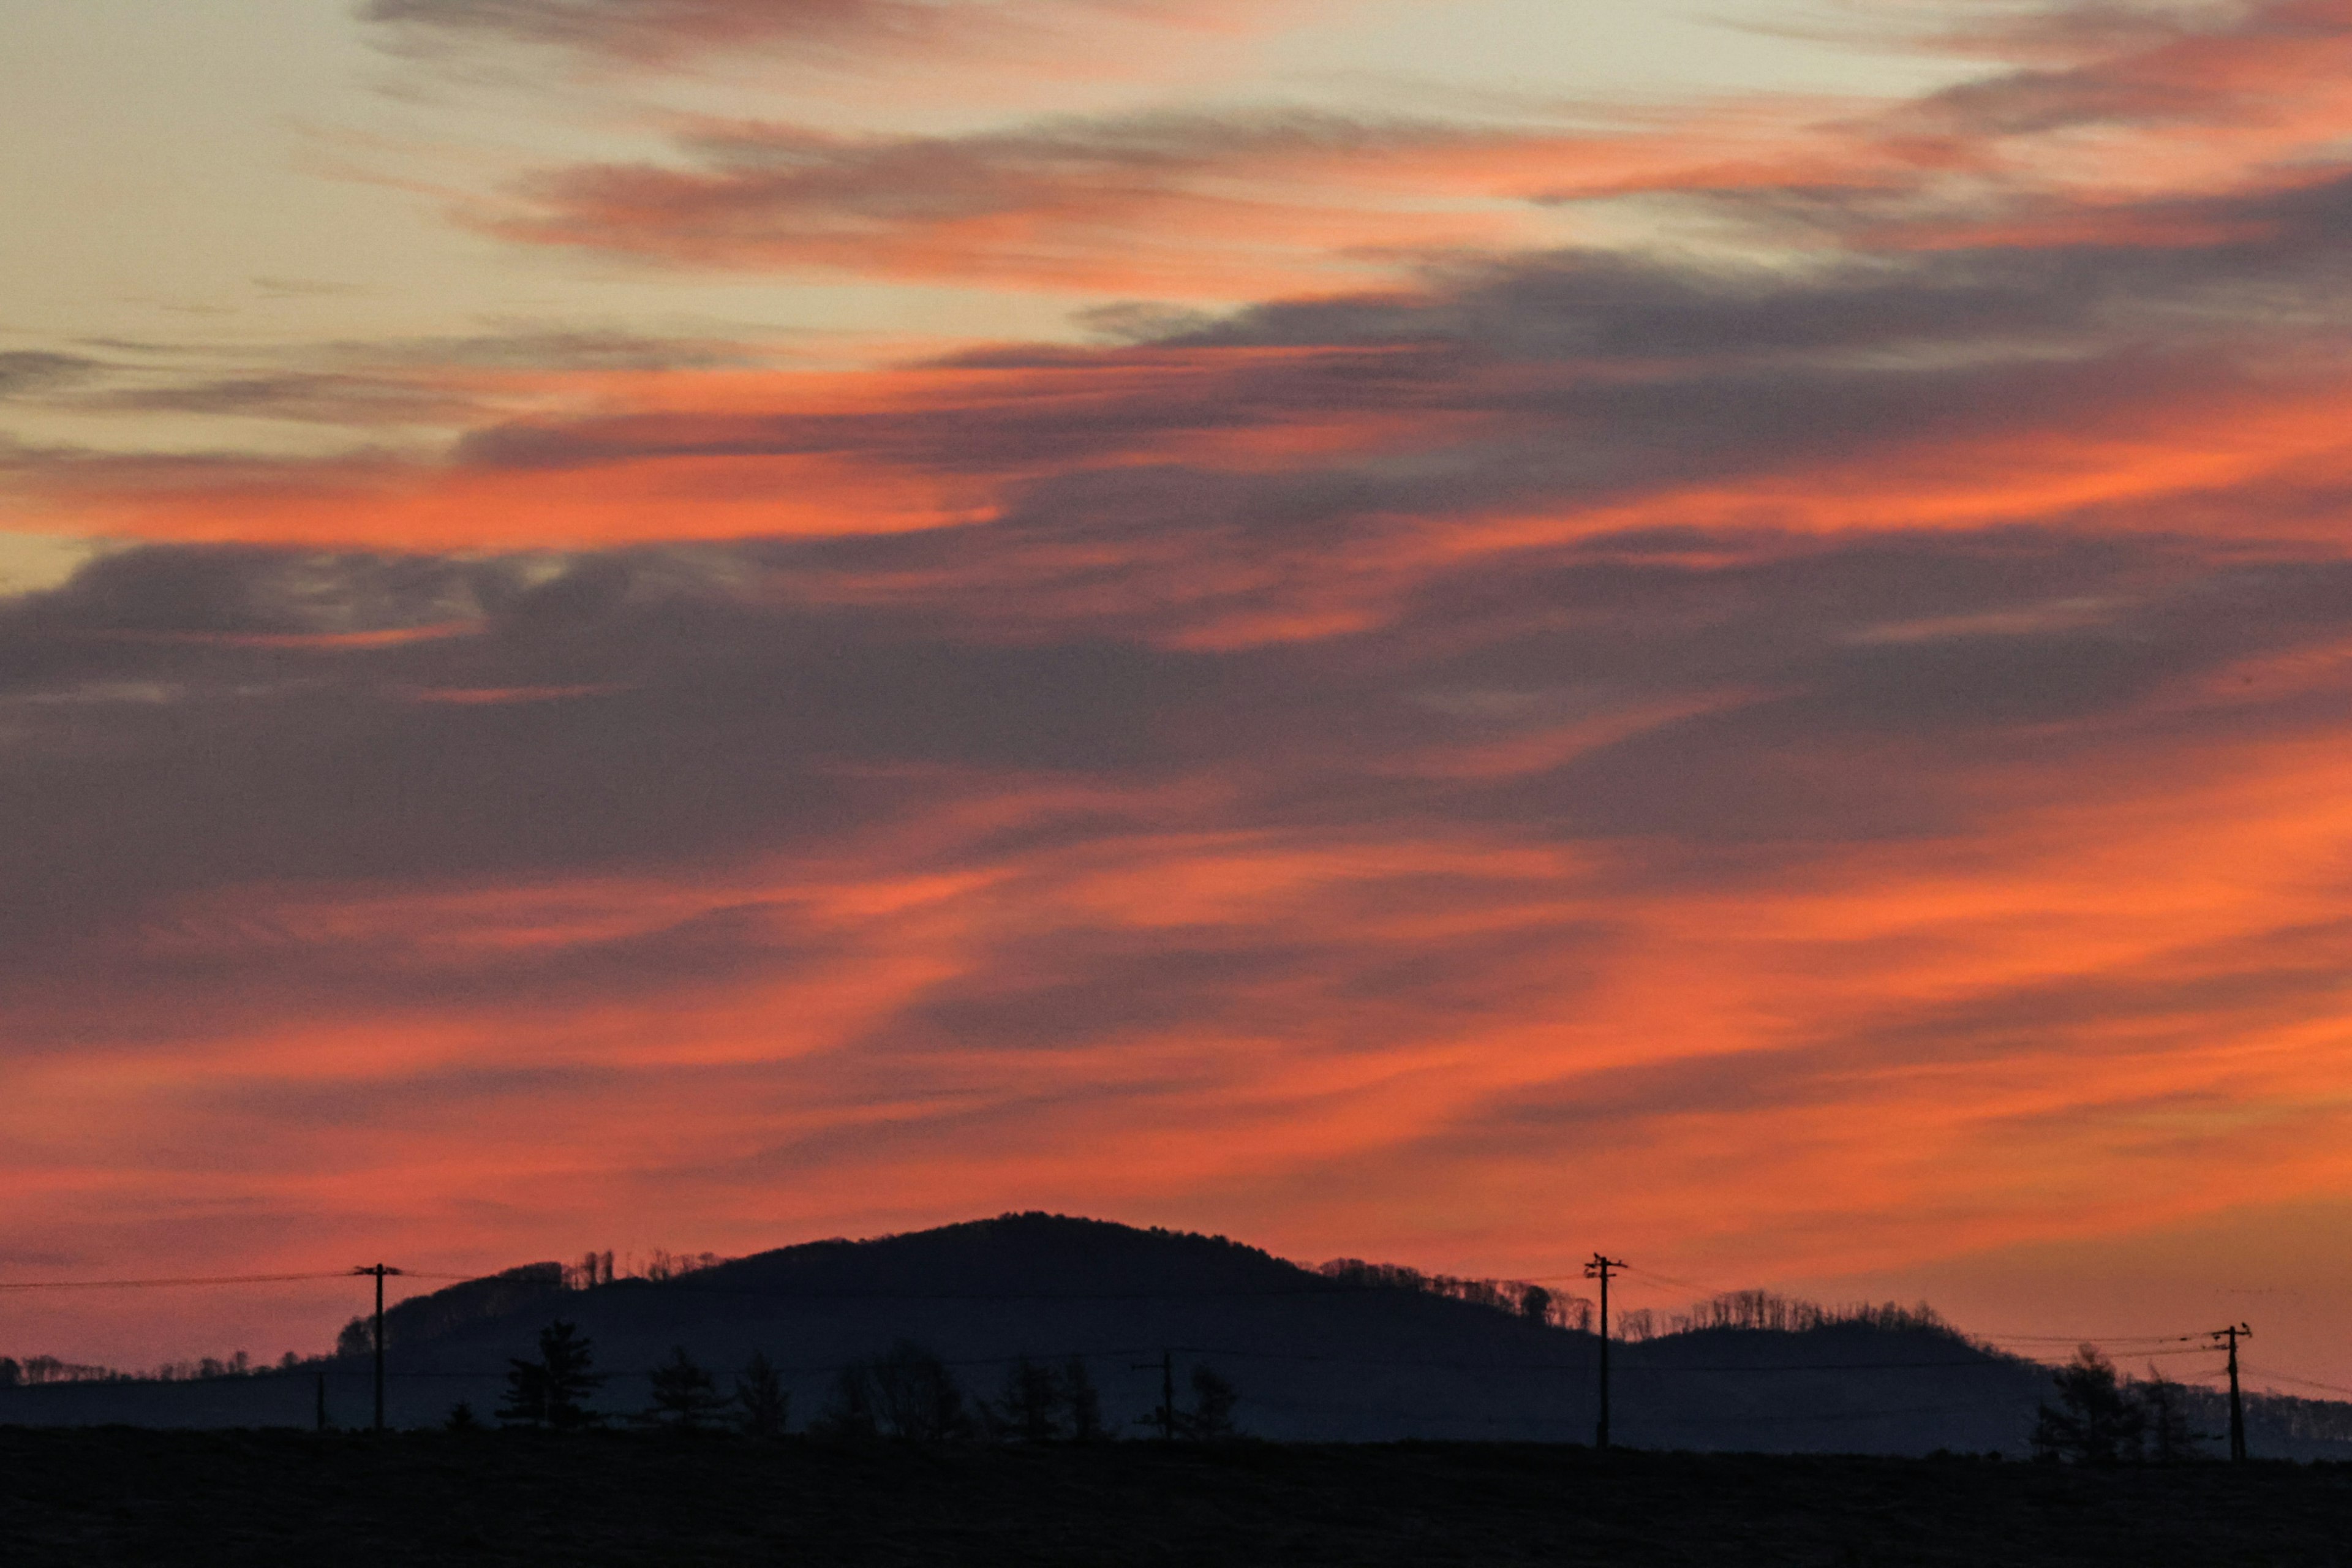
x,y
462,1418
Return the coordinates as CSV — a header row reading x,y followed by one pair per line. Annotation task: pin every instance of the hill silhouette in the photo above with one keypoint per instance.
x,y
1352,1355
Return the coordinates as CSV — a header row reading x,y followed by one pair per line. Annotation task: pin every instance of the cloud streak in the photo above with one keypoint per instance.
x,y
668,33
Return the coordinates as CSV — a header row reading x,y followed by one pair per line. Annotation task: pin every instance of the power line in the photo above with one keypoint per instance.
x,y
156,1284
2305,1382
2096,1339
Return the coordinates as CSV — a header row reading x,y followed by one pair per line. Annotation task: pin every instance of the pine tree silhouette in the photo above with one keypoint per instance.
x,y
684,1395
2098,1423
548,1390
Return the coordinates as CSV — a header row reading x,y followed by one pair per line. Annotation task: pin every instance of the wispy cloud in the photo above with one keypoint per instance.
x,y
665,31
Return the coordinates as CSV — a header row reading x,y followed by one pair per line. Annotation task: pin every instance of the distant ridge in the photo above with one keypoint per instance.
x,y
1363,1352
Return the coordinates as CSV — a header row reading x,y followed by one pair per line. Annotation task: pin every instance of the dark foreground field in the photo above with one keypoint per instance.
x,y
134,1497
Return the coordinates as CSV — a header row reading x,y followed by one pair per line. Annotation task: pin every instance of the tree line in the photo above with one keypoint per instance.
x,y
35,1371
1517,1297
908,1393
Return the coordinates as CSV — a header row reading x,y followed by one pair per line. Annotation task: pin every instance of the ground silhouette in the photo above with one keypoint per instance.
x,y
1363,1352
629,1496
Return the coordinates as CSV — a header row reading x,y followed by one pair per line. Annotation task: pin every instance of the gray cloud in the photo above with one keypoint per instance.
x,y
182,723
662,31
25,371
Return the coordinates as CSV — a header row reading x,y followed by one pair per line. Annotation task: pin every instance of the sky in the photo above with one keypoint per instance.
x,y
1457,631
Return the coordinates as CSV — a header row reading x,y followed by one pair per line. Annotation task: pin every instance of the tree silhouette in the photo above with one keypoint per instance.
x,y
1030,1408
526,1402
684,1394
548,1391
2169,1440
1085,1403
2099,1423
462,1418
916,1397
908,1393
1211,1419
761,1397
851,1414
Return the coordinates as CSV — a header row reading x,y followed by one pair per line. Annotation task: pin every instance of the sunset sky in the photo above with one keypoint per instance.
x,y
1446,630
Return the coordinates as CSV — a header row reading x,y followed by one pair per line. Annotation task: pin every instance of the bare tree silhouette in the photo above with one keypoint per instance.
x,y
764,1406
1211,1419
916,1396
1030,1408
908,1393
851,1414
2164,1407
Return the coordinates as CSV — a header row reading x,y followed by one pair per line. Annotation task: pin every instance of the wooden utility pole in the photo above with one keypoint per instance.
x,y
1166,1415
1599,1269
379,1270
2233,1334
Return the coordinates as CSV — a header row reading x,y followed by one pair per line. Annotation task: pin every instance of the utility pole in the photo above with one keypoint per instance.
x,y
1599,1269
2233,1334
1166,1415
379,1270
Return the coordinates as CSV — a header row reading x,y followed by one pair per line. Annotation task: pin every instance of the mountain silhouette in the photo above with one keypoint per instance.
x,y
1311,1354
